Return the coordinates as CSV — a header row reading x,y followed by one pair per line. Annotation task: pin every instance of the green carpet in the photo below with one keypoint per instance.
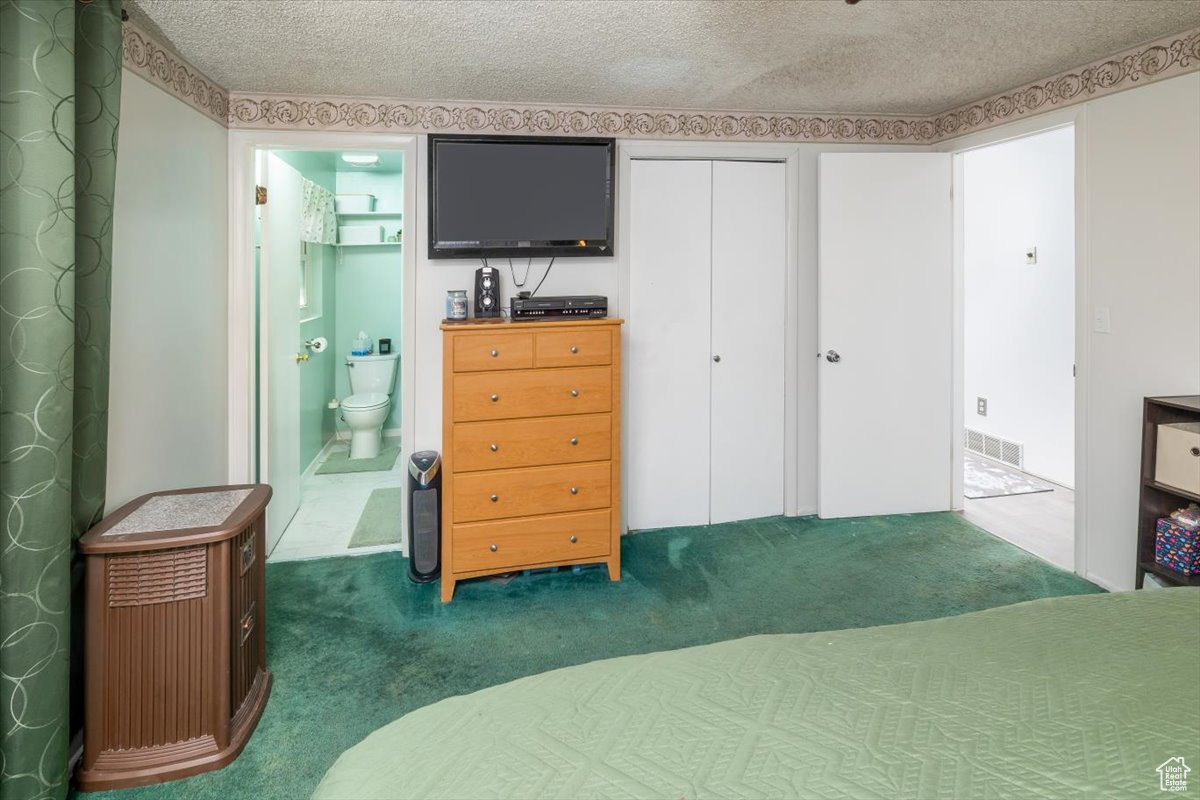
x,y
380,520
354,645
340,463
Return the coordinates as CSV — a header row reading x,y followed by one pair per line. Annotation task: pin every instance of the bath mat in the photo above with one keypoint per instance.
x,y
983,477
380,520
340,463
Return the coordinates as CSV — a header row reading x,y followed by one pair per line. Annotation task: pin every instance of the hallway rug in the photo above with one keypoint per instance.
x,y
983,477
380,520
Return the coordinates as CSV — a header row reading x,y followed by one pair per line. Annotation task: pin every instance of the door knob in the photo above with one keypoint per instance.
x,y
717,359
832,357
301,357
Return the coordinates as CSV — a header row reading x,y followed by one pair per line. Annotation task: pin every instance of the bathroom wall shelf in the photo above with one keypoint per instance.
x,y
372,244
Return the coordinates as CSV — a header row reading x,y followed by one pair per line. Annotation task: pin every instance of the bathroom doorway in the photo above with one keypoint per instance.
x,y
329,268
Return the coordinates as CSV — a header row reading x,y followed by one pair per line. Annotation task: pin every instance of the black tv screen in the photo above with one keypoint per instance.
x,y
520,196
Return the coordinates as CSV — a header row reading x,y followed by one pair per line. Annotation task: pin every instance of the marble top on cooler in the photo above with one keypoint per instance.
x,y
174,512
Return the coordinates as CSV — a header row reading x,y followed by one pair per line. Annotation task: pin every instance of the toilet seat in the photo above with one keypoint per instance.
x,y
367,401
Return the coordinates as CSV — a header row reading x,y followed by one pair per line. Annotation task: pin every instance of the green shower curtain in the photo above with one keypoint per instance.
x,y
60,89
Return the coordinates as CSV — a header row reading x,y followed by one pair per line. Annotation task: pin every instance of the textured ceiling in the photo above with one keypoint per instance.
x,y
880,56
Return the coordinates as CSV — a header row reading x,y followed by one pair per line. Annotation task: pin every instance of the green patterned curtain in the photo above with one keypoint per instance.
x,y
60,90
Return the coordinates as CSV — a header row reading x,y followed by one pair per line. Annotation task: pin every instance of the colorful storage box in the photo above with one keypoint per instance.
x,y
1177,547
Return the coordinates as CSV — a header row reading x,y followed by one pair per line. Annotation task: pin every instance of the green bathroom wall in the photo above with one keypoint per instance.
x,y
369,279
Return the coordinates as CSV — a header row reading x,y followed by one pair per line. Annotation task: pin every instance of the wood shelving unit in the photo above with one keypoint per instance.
x,y
1157,499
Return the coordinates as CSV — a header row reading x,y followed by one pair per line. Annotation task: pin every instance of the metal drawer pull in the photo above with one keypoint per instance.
x,y
574,440
574,393
495,447
1195,451
495,353
574,490
495,497
574,349
493,548
574,539
495,398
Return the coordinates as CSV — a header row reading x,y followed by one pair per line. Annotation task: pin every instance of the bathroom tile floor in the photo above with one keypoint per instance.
x,y
330,506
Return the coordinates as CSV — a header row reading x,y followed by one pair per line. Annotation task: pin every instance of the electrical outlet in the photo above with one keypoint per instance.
x,y
981,406
1031,255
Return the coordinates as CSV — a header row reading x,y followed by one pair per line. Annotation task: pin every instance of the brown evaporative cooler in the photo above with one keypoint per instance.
x,y
176,673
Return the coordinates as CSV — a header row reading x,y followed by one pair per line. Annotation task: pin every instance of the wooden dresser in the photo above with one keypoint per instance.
x,y
531,429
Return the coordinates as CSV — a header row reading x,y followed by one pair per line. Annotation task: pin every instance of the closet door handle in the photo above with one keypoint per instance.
x,y
717,359
833,357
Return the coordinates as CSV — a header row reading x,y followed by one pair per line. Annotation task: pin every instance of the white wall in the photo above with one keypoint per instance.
x,y
1018,319
167,401
1142,217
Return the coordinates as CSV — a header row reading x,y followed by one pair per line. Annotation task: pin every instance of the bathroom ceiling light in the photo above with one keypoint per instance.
x,y
360,159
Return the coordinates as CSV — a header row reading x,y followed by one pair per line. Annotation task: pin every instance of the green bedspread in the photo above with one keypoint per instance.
x,y
1064,697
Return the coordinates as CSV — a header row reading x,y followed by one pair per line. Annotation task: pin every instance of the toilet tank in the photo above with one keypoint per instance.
x,y
372,373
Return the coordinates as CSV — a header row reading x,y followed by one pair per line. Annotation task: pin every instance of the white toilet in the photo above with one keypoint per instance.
x,y
372,381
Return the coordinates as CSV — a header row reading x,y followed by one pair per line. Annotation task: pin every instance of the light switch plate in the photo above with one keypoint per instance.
x,y
1102,320
1031,255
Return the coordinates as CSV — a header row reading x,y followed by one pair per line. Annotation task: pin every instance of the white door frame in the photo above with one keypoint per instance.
x,y
1032,126
242,443
627,151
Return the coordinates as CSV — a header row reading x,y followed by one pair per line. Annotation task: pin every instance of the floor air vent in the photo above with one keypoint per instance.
x,y
1002,450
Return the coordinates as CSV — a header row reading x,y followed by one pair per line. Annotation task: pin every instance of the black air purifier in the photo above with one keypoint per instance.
x,y
424,516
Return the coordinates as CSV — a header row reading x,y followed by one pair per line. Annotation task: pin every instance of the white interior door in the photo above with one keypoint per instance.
x,y
749,259
885,307
279,324
667,353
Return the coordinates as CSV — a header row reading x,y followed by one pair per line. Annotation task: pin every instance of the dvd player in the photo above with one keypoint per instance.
x,y
529,308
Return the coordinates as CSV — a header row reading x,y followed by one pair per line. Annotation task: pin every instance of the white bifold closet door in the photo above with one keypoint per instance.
x,y
705,413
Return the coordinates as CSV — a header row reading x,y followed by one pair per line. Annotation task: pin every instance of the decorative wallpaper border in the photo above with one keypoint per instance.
x,y
170,72
360,114
1163,58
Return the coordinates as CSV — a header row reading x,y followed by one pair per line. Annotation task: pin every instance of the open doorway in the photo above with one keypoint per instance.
x,y
329,271
1018,239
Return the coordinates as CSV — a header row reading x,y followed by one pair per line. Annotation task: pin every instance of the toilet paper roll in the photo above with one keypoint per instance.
x,y
317,345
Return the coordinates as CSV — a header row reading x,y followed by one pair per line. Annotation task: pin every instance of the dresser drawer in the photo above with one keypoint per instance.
x,y
532,393
532,442
524,542
493,351
530,491
573,348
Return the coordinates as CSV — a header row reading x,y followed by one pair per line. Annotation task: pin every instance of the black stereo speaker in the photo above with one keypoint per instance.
x,y
487,292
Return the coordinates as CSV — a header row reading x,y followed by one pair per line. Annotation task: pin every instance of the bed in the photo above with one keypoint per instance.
x,y
1063,697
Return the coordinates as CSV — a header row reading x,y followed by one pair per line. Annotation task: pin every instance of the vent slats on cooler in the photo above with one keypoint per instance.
x,y
157,577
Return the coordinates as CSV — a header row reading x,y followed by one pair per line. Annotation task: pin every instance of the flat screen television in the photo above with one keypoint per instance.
x,y
520,196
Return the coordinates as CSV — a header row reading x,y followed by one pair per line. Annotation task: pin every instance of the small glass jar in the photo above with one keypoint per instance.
x,y
456,304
